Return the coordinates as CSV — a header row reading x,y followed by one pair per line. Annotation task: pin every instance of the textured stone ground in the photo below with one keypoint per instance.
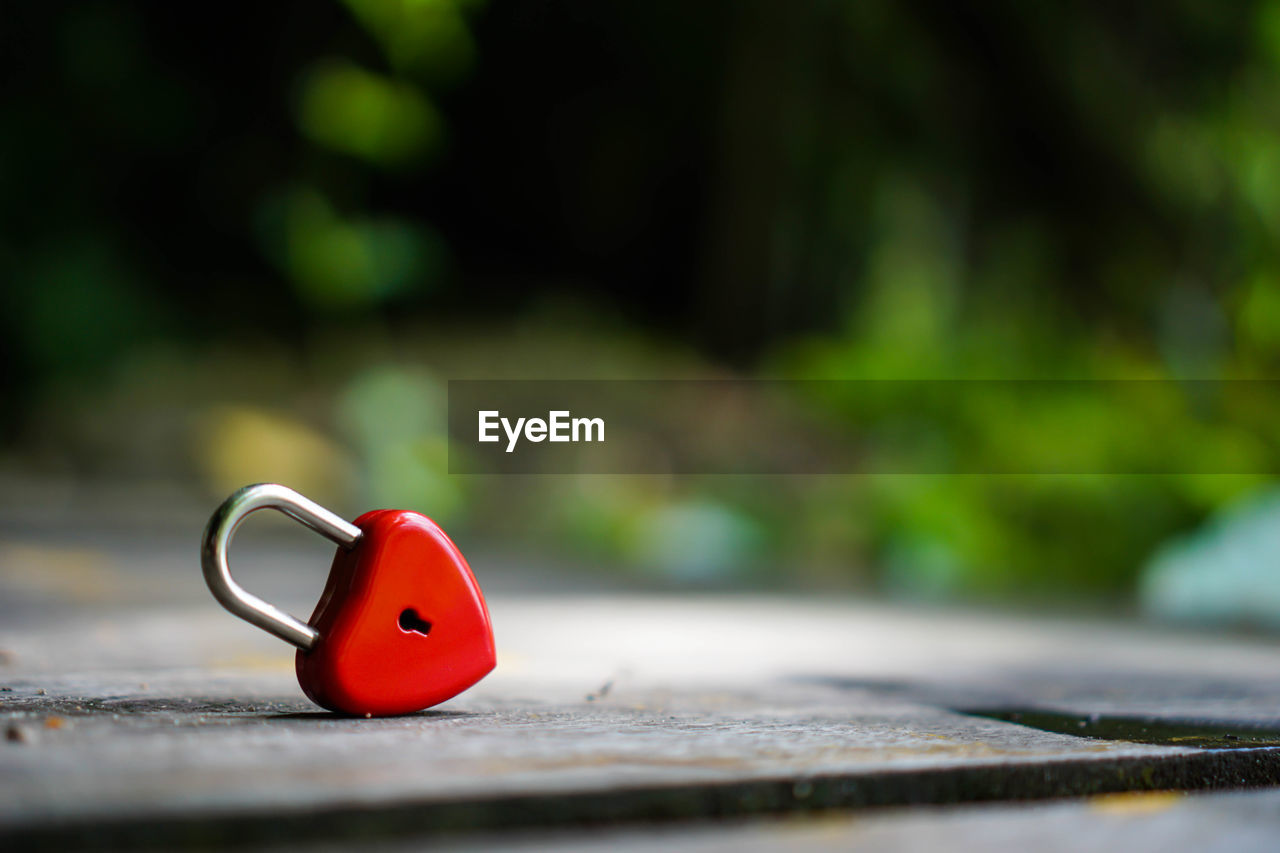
x,y
134,710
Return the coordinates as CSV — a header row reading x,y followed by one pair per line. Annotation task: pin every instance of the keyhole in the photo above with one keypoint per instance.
x,y
411,621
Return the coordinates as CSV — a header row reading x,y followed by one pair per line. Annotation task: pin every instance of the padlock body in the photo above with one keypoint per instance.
x,y
365,662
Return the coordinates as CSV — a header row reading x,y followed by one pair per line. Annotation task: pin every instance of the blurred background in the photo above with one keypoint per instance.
x,y
253,242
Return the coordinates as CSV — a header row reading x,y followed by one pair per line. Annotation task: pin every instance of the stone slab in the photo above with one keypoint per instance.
x,y
134,710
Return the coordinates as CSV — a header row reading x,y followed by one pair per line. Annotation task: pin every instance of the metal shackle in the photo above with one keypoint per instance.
x,y
217,539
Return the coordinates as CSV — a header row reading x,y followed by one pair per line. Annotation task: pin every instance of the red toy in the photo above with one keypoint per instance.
x,y
401,625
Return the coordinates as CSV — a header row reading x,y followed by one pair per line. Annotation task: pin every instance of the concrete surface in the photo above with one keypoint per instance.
x,y
136,711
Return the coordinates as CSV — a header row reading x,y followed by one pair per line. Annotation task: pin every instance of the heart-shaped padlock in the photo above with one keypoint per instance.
x,y
401,625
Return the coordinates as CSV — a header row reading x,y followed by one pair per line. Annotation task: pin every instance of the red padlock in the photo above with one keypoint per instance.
x,y
401,625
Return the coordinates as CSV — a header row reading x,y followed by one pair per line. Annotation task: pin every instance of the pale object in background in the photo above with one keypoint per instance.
x,y
1226,572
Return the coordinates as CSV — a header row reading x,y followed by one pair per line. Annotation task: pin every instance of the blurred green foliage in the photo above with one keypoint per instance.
x,y
351,110
382,194
337,264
